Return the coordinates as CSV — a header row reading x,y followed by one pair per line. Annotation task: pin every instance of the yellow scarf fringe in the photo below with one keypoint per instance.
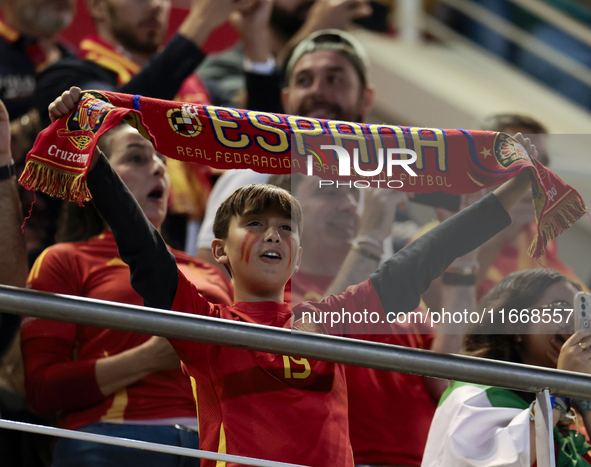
x,y
570,210
66,185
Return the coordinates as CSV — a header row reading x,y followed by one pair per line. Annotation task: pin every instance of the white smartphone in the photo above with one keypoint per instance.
x,y
582,311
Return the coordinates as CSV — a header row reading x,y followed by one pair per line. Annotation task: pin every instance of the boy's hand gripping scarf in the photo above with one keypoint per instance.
x,y
453,161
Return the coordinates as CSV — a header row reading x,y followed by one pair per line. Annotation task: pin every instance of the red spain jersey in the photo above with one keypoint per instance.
x,y
277,407
390,413
380,400
59,357
306,287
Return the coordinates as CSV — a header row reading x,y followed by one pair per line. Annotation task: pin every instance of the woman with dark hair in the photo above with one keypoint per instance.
x,y
101,380
488,426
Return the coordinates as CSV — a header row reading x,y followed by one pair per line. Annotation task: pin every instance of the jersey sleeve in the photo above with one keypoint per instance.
x,y
357,312
160,78
189,300
53,381
56,270
164,74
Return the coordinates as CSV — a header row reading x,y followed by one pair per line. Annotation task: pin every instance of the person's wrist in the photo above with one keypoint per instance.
x,y
257,54
7,171
510,192
366,252
369,240
144,358
560,408
256,45
470,265
377,232
562,404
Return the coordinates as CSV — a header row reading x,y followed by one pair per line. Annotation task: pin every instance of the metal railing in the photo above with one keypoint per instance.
x,y
144,445
522,38
282,341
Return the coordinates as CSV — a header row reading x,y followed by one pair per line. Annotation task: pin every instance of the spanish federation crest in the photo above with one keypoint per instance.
x,y
83,124
184,124
507,150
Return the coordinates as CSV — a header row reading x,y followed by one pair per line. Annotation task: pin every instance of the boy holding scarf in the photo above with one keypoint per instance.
x,y
293,409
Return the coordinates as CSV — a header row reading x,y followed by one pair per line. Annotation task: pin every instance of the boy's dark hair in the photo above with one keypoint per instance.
x,y
519,290
256,198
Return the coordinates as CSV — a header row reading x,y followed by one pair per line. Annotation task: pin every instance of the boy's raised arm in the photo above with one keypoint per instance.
x,y
402,279
153,269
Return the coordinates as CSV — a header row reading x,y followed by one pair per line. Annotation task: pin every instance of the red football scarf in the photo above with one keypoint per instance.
x,y
454,161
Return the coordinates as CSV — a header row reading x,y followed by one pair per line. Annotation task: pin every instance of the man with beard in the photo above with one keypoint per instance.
x,y
326,77
122,56
284,22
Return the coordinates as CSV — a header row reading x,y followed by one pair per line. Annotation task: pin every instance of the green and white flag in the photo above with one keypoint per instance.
x,y
485,426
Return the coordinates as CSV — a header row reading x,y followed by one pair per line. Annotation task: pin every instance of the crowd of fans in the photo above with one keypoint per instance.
x,y
294,57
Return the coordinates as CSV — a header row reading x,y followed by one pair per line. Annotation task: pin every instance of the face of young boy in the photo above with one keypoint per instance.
x,y
262,251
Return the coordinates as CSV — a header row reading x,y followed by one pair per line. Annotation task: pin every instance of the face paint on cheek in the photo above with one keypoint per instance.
x,y
246,247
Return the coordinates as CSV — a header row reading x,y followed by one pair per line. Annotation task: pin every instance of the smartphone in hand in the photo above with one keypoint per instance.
x,y
582,311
